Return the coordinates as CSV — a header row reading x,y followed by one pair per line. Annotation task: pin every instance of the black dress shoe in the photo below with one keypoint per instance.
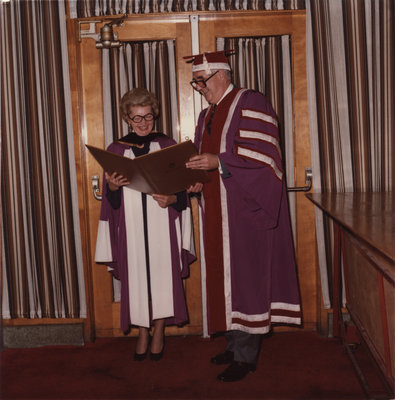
x,y
158,356
223,358
236,371
140,356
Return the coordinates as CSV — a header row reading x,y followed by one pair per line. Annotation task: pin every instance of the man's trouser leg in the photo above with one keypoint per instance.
x,y
245,346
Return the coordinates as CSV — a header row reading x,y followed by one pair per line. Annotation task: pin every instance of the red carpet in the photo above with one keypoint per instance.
x,y
298,365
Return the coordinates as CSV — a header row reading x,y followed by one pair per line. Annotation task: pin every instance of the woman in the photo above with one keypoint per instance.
x,y
145,240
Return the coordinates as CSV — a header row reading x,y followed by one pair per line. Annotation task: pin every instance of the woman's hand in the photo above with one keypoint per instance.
x,y
165,200
205,161
115,181
196,188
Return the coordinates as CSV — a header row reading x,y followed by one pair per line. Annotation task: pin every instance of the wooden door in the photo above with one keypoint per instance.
x,y
85,71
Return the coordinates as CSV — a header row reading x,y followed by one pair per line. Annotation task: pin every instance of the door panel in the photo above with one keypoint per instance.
x,y
85,68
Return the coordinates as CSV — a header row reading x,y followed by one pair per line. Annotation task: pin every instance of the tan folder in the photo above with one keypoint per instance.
x,y
162,171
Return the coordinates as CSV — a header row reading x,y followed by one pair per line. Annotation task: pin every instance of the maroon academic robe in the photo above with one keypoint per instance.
x,y
249,272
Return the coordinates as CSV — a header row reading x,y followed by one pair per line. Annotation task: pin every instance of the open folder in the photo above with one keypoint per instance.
x,y
162,171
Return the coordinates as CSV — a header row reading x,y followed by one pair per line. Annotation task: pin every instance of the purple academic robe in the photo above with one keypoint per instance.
x,y
120,245
250,271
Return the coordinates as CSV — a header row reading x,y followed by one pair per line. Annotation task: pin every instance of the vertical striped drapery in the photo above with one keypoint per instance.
x,y
353,51
41,255
350,53
264,64
91,8
151,65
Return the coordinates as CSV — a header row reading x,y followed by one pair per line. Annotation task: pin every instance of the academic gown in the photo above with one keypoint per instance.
x,y
151,269
249,271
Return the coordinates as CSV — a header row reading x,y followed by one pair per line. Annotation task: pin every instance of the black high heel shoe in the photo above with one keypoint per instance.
x,y
142,356
158,356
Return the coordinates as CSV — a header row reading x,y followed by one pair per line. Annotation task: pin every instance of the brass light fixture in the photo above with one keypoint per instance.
x,y
107,38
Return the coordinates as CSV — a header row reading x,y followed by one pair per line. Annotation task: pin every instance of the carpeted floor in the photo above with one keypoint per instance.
x,y
298,365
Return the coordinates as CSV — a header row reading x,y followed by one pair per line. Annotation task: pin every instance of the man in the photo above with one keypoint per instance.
x,y
250,272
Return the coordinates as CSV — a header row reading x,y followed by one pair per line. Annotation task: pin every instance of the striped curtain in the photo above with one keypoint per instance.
x,y
151,65
41,254
353,53
91,8
350,53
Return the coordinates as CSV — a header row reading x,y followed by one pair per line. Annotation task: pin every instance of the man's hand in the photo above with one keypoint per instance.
x,y
164,200
196,188
205,161
115,181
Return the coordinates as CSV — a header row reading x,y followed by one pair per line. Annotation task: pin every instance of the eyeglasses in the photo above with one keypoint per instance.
x,y
198,84
138,118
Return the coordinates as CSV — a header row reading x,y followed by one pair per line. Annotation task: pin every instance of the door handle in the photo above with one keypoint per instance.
x,y
95,187
308,179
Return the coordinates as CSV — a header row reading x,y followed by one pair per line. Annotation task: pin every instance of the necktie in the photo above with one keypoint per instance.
x,y
208,127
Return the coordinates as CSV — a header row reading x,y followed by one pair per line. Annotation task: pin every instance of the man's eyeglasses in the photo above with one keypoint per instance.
x,y
198,84
138,118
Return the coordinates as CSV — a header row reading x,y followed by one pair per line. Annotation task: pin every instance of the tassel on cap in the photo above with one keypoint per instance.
x,y
210,60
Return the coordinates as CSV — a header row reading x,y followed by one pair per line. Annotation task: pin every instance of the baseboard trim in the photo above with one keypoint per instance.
x,y
28,336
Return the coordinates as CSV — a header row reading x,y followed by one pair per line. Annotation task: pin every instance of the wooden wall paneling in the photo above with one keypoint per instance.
x,y
93,134
86,78
75,87
305,215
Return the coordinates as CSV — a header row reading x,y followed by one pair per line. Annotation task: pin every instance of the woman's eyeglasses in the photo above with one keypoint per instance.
x,y
198,84
138,118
